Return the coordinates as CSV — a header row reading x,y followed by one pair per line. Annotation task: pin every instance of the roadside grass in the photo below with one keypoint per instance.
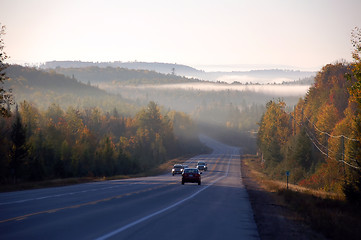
x,y
161,169
327,213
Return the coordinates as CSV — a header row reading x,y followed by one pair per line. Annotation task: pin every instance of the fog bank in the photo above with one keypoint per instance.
x,y
276,90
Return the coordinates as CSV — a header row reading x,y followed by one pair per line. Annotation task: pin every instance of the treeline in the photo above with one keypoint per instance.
x,y
99,75
38,145
302,81
165,68
319,141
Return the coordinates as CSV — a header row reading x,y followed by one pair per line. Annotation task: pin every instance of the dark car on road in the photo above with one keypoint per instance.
x,y
202,166
177,169
191,175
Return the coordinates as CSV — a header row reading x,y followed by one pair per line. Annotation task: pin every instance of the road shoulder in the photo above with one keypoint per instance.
x,y
274,220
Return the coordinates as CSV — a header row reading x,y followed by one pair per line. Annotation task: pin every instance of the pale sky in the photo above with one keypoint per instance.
x,y
303,34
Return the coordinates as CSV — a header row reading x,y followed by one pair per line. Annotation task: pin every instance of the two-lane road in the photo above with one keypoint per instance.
x,y
143,208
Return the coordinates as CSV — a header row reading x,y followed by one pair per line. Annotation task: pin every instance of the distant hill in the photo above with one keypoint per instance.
x,y
28,79
46,87
265,76
99,75
165,68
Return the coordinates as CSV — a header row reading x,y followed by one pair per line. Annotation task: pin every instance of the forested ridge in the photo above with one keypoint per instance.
x,y
319,141
165,68
117,75
143,68
44,88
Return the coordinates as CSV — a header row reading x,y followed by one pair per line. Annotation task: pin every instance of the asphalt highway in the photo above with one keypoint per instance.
x,y
143,208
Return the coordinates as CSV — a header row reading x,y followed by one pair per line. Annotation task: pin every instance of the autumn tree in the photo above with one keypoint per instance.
x,y
298,157
352,188
74,124
273,132
54,114
30,117
5,96
150,118
152,129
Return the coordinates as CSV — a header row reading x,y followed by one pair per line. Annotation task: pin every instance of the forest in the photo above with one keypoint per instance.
x,y
97,75
38,145
319,141
58,127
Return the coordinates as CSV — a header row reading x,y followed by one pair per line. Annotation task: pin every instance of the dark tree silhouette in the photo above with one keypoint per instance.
x,y
5,96
19,149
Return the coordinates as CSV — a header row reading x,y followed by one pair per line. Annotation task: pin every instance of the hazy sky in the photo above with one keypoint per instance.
x,y
305,34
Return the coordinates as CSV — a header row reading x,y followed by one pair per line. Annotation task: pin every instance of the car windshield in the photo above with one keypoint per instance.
x,y
178,166
201,163
191,171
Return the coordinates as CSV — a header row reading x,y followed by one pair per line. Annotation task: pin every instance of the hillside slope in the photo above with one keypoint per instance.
x,y
44,88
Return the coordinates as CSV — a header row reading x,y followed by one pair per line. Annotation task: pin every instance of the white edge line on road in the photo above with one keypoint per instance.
x,y
119,230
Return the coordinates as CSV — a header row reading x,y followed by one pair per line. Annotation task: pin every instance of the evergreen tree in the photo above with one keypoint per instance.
x,y
19,148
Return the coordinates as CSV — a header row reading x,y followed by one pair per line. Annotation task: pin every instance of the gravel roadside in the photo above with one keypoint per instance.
x,y
274,221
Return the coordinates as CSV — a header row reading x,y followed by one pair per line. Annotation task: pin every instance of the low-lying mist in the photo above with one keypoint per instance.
x,y
250,79
228,112
273,90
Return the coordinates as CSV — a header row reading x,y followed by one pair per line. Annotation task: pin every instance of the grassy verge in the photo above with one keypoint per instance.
x,y
163,168
325,212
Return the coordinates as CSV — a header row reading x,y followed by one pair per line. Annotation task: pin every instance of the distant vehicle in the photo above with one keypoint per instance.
x,y
191,175
202,166
177,169
185,166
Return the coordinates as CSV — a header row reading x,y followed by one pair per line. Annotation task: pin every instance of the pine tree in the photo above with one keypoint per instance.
x,y
19,149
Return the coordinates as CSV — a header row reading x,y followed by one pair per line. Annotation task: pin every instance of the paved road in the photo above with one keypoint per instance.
x,y
143,208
